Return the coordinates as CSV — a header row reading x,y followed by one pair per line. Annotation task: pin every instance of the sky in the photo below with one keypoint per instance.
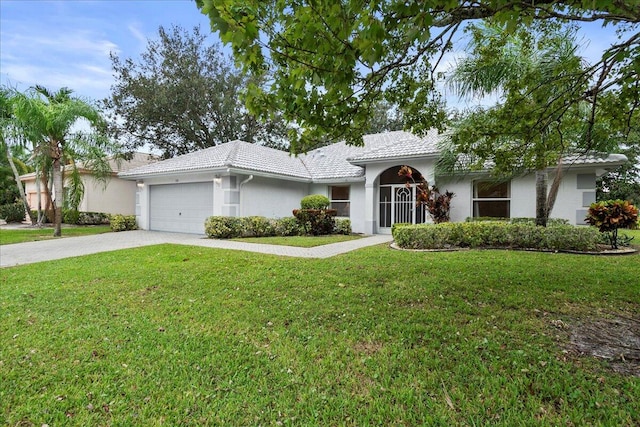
x,y
68,42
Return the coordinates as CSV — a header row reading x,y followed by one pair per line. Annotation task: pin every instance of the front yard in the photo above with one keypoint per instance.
x,y
172,335
21,235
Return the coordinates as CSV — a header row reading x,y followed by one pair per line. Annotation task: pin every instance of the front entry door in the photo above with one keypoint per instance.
x,y
398,204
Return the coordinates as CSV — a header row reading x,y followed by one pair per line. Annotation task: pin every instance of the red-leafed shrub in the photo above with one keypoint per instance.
x,y
611,215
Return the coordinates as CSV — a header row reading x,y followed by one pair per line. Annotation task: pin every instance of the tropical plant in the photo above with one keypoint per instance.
x,y
536,72
46,120
437,204
11,139
611,215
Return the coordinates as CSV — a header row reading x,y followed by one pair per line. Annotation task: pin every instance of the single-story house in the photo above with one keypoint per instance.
x,y
116,196
242,179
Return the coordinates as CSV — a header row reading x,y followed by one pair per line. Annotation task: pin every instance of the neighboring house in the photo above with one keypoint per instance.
x,y
242,179
115,196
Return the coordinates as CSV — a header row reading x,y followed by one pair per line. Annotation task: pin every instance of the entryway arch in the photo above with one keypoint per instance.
x,y
397,199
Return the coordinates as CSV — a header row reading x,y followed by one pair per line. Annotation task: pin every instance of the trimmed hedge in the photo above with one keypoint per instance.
x,y
123,222
496,234
551,222
228,227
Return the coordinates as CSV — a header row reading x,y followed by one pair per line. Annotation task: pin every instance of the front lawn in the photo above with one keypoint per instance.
x,y
300,241
174,335
21,235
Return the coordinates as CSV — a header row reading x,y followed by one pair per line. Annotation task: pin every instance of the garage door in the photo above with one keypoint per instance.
x,y
181,208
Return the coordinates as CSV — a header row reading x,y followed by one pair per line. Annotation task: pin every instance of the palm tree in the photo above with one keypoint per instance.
x,y
9,134
533,127
47,120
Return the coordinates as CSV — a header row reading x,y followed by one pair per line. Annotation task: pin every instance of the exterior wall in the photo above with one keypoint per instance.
x,y
577,191
356,199
117,198
271,198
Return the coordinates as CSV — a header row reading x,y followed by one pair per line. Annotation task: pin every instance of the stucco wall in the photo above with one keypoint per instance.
x,y
118,197
270,198
571,203
356,198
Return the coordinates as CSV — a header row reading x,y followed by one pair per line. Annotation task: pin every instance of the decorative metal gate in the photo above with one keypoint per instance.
x,y
398,204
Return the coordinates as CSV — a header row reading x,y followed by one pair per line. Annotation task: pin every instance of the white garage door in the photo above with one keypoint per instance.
x,y
181,208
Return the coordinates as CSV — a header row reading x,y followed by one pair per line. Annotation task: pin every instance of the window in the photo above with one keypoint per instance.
x,y
491,199
339,196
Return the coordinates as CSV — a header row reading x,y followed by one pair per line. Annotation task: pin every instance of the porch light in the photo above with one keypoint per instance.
x,y
217,179
140,183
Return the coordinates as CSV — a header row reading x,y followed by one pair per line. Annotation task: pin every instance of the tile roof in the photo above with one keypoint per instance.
x,y
333,162
395,145
234,154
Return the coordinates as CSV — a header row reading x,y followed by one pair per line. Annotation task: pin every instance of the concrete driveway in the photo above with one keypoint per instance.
x,y
48,250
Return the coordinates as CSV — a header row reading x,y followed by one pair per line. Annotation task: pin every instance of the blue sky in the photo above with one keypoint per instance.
x,y
68,42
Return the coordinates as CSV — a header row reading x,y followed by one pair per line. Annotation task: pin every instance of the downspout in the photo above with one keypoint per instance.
x,y
241,198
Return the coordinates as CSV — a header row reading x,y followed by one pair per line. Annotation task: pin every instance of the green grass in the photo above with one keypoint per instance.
x,y
21,235
300,241
632,233
173,335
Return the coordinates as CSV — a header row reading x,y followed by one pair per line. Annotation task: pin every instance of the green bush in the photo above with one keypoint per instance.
x,y
496,234
256,226
343,226
223,227
93,218
12,212
123,222
288,226
315,201
70,216
318,222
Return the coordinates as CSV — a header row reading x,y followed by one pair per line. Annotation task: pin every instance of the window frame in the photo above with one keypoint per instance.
x,y
476,198
346,202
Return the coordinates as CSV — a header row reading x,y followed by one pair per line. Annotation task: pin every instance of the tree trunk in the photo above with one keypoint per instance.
x,y
58,191
16,175
541,198
555,186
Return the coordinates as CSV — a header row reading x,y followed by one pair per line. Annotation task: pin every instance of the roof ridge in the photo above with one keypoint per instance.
x,y
233,151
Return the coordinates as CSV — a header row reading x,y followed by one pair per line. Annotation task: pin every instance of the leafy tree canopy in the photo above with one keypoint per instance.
x,y
326,63
183,95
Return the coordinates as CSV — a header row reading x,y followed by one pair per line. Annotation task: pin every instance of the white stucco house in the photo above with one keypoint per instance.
x,y
242,179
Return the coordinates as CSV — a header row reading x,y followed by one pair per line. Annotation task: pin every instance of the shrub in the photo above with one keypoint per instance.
x,y
315,201
256,226
496,234
343,226
70,216
123,222
223,227
12,212
317,222
288,226
610,215
93,218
